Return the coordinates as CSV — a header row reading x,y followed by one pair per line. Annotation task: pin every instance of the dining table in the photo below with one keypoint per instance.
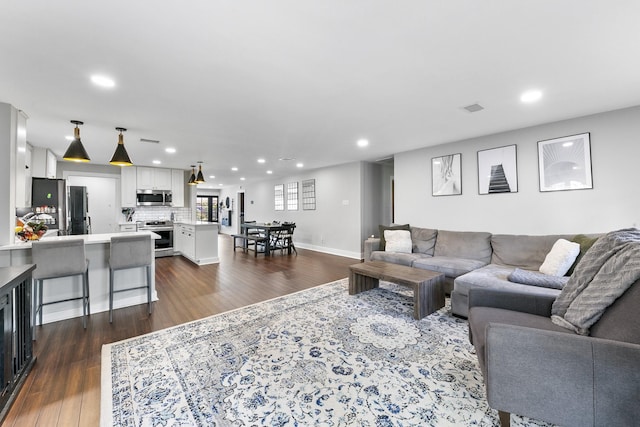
x,y
268,229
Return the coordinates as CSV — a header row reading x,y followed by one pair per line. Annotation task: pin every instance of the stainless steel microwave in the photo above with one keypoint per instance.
x,y
153,198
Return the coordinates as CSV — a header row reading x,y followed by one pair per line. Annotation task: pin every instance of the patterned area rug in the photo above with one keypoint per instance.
x,y
319,357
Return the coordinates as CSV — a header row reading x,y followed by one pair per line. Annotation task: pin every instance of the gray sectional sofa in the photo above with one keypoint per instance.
x,y
472,260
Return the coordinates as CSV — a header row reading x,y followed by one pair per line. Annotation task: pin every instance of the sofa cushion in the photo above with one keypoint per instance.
x,y
561,257
395,257
424,240
522,251
464,244
496,277
621,321
585,243
399,241
382,228
449,266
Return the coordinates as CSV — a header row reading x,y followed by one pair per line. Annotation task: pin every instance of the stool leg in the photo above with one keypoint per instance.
x,y
111,271
40,299
35,306
149,289
84,300
88,298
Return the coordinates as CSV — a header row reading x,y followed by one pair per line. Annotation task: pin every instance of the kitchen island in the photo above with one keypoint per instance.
x,y
197,241
97,251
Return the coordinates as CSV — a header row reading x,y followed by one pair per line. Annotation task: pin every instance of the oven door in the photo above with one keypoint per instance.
x,y
164,245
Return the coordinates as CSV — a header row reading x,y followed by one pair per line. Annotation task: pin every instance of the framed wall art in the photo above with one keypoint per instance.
x,y
446,175
565,163
498,170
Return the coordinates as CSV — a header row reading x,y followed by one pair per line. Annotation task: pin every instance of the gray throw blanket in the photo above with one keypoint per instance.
x,y
605,272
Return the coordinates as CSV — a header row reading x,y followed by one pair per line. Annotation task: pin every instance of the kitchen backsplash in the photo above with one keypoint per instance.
x,y
147,213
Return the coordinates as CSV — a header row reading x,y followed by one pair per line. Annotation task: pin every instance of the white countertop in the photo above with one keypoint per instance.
x,y
89,239
196,223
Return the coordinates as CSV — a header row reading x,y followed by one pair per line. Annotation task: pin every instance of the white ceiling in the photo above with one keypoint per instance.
x,y
227,82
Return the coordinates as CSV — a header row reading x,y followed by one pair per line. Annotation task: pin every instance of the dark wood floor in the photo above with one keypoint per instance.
x,y
63,389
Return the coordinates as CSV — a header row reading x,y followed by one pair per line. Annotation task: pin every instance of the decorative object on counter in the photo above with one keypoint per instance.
x,y
76,151
120,156
192,178
200,178
128,214
30,231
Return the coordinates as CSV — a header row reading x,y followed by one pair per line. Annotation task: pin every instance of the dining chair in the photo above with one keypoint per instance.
x,y
128,252
55,259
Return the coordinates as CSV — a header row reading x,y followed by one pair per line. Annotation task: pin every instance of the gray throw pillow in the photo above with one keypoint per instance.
x,y
390,227
535,278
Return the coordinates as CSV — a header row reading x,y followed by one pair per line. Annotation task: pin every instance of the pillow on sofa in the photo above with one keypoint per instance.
x,y
390,227
585,243
561,257
398,241
424,240
535,278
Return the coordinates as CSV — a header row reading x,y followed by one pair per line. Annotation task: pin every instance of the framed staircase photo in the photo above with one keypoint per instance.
x,y
498,170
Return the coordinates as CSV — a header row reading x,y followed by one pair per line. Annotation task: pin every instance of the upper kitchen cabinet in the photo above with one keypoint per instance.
x,y
177,188
44,163
153,178
128,186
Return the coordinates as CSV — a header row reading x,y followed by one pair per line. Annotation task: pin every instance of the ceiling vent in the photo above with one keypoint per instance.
x,y
153,141
473,108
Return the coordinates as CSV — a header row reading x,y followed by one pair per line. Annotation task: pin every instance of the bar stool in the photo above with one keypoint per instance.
x,y
126,252
59,258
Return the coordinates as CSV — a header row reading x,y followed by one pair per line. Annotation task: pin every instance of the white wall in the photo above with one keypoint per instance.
x,y
334,226
612,203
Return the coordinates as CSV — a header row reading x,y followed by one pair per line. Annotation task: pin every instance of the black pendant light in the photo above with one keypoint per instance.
x,y
199,179
121,157
76,152
192,178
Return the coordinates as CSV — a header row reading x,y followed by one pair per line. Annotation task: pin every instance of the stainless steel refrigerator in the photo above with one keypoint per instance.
x,y
48,199
79,220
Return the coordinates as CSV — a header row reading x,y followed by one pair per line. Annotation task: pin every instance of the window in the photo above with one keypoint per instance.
x,y
309,194
279,197
292,196
207,208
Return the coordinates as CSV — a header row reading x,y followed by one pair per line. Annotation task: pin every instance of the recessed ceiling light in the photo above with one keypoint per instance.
x,y
530,96
242,178
156,162
212,176
261,160
170,150
102,81
269,172
235,169
363,143
220,184
300,165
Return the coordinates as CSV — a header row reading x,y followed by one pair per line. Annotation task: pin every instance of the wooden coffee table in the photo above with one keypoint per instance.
x,y
428,286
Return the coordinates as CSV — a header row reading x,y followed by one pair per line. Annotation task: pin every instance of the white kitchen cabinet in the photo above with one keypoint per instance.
x,y
153,178
128,179
198,242
23,162
177,188
44,163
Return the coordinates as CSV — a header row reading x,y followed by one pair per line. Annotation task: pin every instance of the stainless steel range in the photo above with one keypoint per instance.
x,y
164,245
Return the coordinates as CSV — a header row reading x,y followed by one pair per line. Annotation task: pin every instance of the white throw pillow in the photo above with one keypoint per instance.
x,y
398,241
561,257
